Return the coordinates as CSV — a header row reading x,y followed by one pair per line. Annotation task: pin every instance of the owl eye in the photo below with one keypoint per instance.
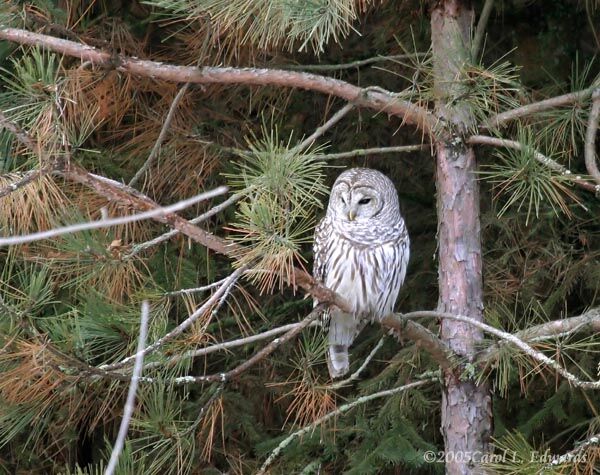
x,y
364,201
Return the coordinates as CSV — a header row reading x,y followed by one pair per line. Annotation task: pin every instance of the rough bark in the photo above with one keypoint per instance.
x,y
466,406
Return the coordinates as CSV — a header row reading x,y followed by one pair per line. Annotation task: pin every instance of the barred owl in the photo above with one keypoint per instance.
x,y
361,251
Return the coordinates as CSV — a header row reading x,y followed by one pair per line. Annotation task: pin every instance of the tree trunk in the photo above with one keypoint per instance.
x,y
466,407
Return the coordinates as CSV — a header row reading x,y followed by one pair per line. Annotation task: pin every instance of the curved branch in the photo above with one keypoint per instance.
x,y
590,138
379,100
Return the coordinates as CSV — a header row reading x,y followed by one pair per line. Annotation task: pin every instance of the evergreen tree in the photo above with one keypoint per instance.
x,y
181,305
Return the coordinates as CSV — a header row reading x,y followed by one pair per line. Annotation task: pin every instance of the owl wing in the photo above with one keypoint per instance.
x,y
321,252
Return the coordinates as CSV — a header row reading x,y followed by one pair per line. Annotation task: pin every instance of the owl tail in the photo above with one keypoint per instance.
x,y
338,362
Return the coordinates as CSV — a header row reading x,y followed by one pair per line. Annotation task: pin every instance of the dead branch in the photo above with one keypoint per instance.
x,y
228,344
354,376
218,296
335,118
361,152
161,136
591,163
266,351
353,64
129,402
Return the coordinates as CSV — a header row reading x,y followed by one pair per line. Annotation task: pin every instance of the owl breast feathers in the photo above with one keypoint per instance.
x,y
361,251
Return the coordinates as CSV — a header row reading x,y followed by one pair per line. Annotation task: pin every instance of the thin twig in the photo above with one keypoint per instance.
x,y
129,403
340,410
195,290
105,223
354,376
500,120
543,159
203,410
353,64
591,163
572,454
228,344
161,137
361,152
19,133
136,249
335,118
481,26
27,178
179,329
536,355
266,351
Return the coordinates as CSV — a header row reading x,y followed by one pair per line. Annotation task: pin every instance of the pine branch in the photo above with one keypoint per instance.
x,y
106,223
363,97
519,343
586,322
129,402
228,344
362,152
546,161
262,354
501,119
129,198
218,296
591,163
340,410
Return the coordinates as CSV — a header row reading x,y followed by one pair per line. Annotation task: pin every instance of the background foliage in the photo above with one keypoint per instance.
x,y
76,298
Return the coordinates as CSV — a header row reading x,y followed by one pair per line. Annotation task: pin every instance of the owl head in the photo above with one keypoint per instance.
x,y
360,195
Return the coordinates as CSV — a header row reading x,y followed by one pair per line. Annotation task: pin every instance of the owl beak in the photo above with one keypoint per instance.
x,y
352,215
